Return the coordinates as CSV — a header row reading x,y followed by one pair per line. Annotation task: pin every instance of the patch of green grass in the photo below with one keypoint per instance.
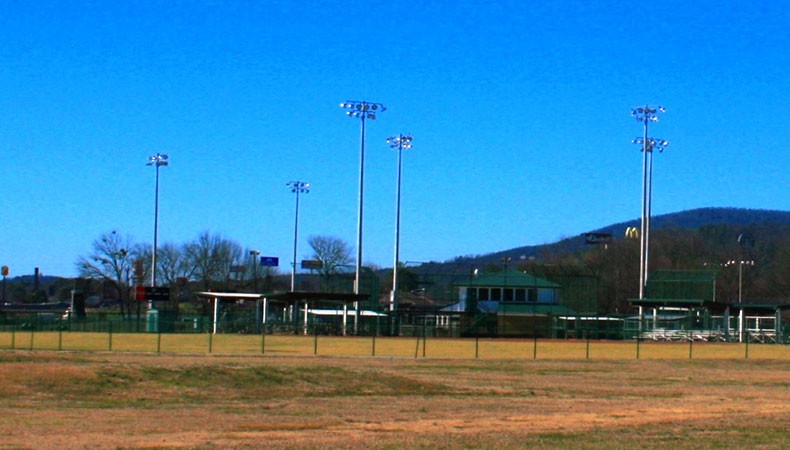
x,y
268,381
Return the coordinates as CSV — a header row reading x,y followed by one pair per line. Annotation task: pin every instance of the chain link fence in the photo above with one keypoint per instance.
x,y
586,339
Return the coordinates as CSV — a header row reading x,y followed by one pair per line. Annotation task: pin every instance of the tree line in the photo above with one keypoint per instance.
x,y
208,262
758,269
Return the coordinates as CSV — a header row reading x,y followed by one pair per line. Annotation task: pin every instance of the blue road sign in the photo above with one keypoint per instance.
x,y
270,261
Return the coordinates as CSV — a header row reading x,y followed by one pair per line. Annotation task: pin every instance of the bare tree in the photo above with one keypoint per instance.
x,y
173,263
333,253
211,257
112,260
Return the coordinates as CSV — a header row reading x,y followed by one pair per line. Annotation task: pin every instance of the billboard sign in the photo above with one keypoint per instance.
x,y
312,264
597,238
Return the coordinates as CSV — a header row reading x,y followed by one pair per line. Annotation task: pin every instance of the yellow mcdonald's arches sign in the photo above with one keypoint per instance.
x,y
632,233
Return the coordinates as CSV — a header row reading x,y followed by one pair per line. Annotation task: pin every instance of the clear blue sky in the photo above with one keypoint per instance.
x,y
520,113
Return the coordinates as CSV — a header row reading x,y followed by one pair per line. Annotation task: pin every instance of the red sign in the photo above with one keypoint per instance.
x,y
143,293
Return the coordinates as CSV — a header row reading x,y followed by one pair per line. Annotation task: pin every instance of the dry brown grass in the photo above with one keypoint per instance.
x,y
131,400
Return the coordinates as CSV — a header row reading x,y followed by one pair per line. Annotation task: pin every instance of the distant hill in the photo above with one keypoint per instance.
x,y
30,279
697,218
688,220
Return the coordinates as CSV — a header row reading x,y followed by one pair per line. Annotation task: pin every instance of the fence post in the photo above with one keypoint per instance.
x,y
263,340
477,347
159,340
374,345
691,344
13,335
587,350
109,334
315,342
535,346
60,339
210,341
638,339
746,356
424,338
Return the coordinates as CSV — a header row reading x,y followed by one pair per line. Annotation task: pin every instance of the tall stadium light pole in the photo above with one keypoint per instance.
x,y
254,261
399,143
158,160
362,110
645,115
297,187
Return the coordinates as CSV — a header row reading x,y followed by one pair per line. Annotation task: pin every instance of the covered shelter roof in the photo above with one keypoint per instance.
x,y
339,312
56,307
229,295
679,303
289,296
308,296
758,308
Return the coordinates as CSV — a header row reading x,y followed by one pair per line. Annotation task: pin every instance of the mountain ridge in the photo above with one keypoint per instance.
x,y
688,220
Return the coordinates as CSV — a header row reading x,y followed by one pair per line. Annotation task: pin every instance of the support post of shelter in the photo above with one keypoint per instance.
x,y
641,318
778,327
345,319
306,310
356,318
216,315
258,316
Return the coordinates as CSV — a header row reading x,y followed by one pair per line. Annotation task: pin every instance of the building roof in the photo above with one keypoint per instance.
x,y
507,278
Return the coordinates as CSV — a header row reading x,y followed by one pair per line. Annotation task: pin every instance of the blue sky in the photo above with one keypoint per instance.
x,y
520,113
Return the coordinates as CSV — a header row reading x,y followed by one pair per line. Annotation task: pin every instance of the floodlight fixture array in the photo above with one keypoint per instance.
x,y
362,109
400,142
160,159
651,144
647,114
